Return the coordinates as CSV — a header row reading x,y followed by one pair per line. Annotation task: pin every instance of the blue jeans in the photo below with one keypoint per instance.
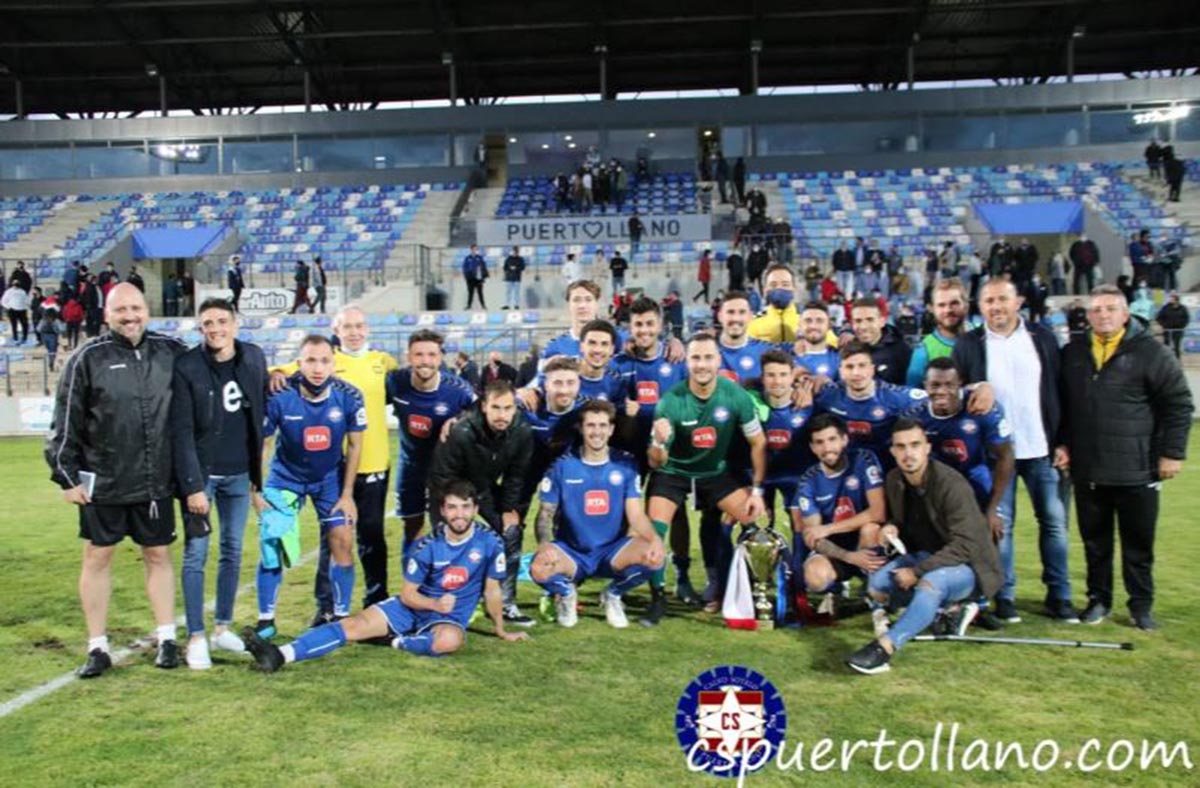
x,y
933,591
845,282
512,294
230,497
1042,483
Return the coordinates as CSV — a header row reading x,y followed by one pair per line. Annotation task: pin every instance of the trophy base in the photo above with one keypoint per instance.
x,y
766,625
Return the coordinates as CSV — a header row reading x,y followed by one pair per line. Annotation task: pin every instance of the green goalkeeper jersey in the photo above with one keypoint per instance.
x,y
701,429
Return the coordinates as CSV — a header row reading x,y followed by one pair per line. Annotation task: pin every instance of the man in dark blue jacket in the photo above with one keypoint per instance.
x,y
217,402
474,269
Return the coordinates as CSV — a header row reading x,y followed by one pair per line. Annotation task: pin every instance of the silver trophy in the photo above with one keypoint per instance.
x,y
764,548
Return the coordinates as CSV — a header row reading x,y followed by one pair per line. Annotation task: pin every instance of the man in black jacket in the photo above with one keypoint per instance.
x,y
235,281
843,270
1085,258
1173,318
1021,362
889,352
109,449
514,267
491,448
1126,432
218,397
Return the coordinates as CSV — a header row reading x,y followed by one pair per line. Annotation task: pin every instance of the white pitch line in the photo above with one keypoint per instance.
x,y
120,655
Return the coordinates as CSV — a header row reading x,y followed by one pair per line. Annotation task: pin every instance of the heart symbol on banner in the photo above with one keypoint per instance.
x,y
593,228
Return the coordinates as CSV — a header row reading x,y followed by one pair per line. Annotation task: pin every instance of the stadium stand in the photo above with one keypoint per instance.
x,y
670,192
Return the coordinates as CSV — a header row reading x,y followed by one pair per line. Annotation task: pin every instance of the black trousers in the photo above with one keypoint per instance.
x,y
1172,337
475,286
370,496
1134,509
19,320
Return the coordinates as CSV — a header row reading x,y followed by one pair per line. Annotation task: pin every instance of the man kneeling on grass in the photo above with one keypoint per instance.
x,y
950,556
444,576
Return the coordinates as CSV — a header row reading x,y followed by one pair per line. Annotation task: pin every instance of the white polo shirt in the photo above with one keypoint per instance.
x,y
1015,372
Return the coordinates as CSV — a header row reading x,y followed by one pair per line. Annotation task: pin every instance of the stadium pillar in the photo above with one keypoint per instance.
x,y
307,91
755,49
162,95
448,62
601,51
1071,59
20,98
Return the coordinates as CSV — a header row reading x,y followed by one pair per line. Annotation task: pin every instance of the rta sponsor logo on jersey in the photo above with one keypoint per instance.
x,y
704,437
728,719
858,429
419,426
647,392
779,439
595,502
454,577
844,509
317,438
954,449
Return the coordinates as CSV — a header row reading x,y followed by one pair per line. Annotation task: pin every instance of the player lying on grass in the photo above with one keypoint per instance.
x,y
950,555
444,577
591,492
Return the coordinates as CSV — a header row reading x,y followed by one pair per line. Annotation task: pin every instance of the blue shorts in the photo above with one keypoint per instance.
x,y
324,495
412,500
597,563
980,478
402,620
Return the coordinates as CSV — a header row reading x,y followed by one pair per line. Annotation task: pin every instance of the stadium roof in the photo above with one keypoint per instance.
x,y
96,56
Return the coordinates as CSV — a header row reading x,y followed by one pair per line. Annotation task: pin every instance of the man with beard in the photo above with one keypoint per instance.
x,y
739,352
812,349
444,578
889,352
950,313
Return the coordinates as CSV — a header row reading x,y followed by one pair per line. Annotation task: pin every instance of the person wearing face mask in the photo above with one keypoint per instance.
x,y
780,319
1142,306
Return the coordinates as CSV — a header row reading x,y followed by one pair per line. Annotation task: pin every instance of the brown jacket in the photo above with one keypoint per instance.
x,y
955,516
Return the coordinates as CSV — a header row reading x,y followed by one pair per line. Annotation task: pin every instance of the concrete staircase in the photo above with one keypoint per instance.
x,y
483,203
67,220
431,225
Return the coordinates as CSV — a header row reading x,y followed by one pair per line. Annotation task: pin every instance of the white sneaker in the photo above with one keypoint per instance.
x,y
564,605
897,546
197,654
828,606
614,611
227,641
879,620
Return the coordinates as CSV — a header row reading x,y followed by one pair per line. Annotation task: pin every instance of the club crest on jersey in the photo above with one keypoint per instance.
x,y
798,420
616,478
665,371
335,414
419,426
454,577
704,437
721,414
474,556
852,483
441,409
595,502
968,426
647,392
745,362
779,439
317,438
878,413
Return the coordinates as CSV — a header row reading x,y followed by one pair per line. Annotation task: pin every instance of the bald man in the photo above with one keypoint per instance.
x,y
109,450
365,369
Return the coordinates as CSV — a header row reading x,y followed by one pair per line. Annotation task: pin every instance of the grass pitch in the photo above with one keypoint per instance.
x,y
590,706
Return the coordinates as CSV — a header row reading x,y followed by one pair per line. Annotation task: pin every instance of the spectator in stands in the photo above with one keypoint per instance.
x,y
466,369
300,278
562,193
843,269
1141,254
758,204
739,180
1153,156
48,329
916,281
585,191
1058,274
736,268
812,281
475,271
1084,256
1141,306
514,267
36,299
71,277
16,303
636,228
643,167
757,262
1174,319
497,369
619,177
1077,322
319,280
93,307
722,173
134,279
108,277
672,308
592,157
1167,255
618,265
868,279
187,294
235,281
571,272
889,352
73,315
1000,257
529,366
170,296
704,276
21,278
828,288
1036,295
1126,287
1174,169
1025,260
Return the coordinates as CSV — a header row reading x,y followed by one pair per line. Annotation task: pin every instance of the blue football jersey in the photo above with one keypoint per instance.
x,y
740,364
788,452
439,566
869,421
962,441
609,387
422,413
824,363
839,497
553,433
311,434
565,344
647,379
591,498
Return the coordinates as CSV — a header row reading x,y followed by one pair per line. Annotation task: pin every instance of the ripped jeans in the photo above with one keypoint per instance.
x,y
932,592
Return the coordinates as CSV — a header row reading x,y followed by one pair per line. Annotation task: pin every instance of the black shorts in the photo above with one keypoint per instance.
x,y
149,524
709,492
